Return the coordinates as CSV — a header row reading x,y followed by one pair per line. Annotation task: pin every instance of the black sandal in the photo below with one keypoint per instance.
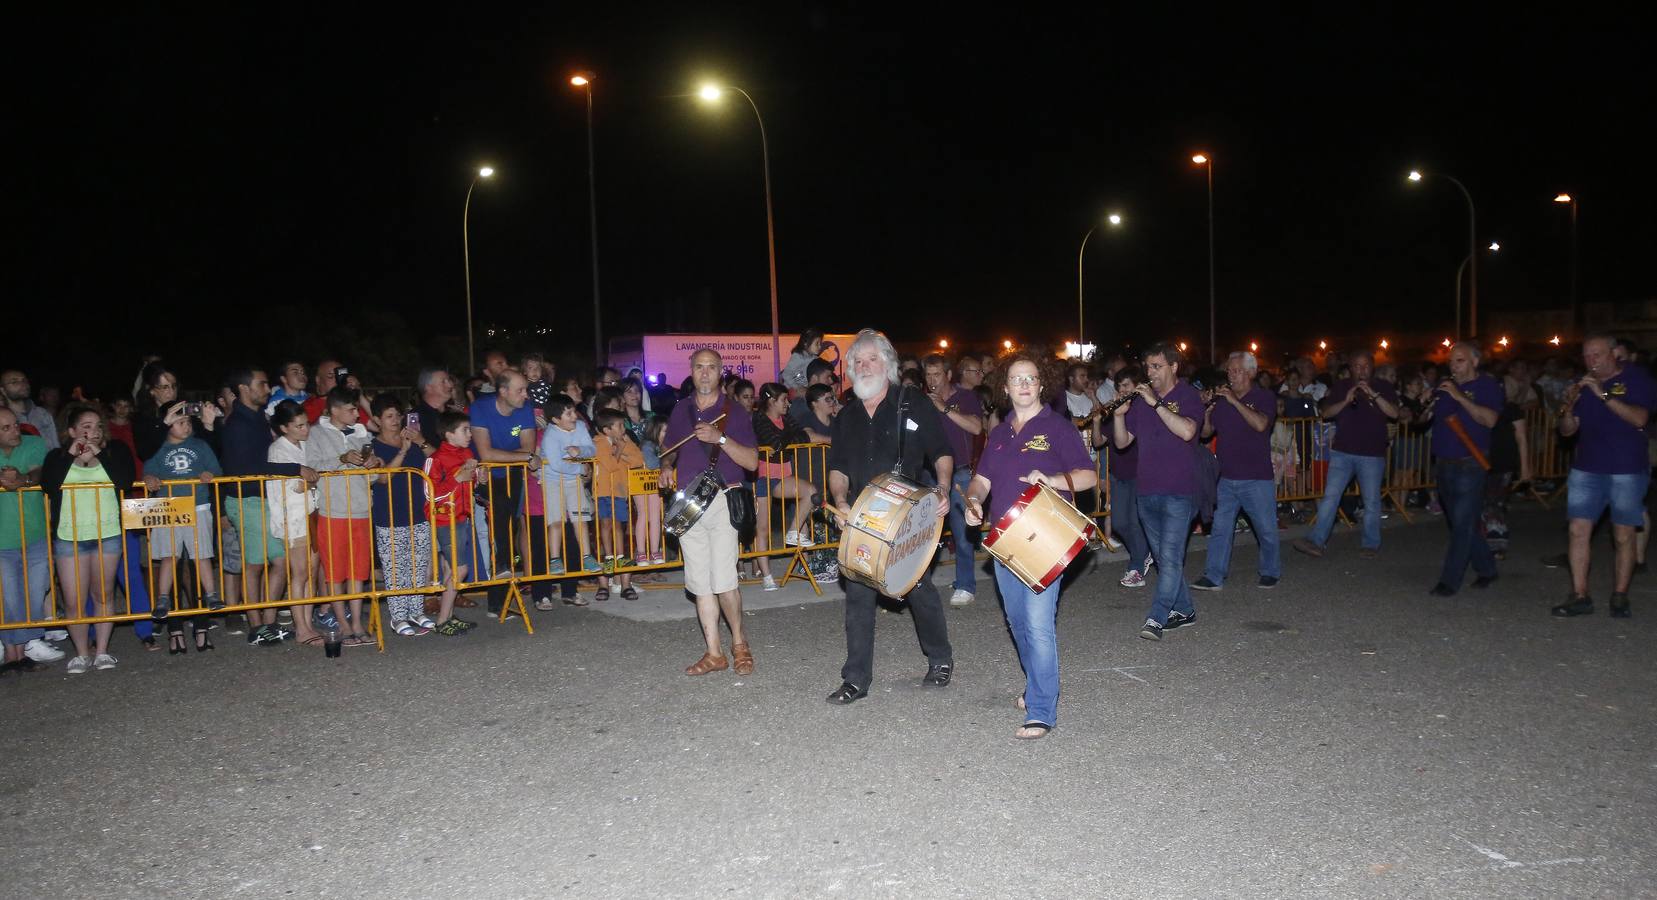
x,y
204,640
602,595
627,593
175,639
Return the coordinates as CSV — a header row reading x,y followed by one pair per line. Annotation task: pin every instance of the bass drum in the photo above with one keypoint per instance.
x,y
893,534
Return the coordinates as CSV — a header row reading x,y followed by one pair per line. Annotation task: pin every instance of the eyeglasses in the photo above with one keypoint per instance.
x,y
1023,380
971,371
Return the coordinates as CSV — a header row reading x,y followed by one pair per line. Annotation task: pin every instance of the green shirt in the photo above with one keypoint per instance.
x,y
88,513
29,505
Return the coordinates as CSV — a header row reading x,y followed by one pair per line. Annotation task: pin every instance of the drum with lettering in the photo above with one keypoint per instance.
x,y
685,507
1038,536
893,534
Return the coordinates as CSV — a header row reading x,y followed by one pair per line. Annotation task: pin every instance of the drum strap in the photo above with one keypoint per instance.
x,y
713,449
897,466
1069,484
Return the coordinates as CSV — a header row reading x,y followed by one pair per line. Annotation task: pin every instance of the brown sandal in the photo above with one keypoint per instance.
x,y
742,659
708,663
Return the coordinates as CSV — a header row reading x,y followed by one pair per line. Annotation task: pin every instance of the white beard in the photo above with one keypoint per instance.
x,y
868,387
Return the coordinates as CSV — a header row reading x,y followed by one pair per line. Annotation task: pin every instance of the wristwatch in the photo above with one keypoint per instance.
x,y
722,440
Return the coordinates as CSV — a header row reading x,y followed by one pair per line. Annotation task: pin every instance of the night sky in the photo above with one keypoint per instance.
x,y
250,184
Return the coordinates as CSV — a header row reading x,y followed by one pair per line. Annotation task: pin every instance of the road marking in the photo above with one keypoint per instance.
x,y
1120,670
1501,862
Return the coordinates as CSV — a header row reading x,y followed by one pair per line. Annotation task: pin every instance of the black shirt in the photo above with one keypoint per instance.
x,y
430,431
865,446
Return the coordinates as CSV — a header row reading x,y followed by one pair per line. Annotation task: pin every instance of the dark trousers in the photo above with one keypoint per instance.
x,y
1461,493
924,607
506,498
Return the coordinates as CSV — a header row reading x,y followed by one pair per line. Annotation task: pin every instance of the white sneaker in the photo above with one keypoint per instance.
x,y
40,651
791,539
769,582
960,598
57,634
79,665
659,559
1133,579
104,661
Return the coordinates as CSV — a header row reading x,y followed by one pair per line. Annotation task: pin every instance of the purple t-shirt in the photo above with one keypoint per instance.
x,y
1049,443
1166,463
1245,454
1484,391
966,403
1361,428
693,456
1608,445
1124,463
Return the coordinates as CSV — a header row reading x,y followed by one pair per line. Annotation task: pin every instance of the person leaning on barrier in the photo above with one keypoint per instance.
x,y
25,568
1360,407
436,390
339,442
402,535
184,458
86,480
503,431
15,391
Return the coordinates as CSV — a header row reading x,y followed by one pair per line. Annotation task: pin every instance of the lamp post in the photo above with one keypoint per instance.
x,y
1472,259
1207,162
586,83
1114,220
711,93
1494,247
1576,304
466,253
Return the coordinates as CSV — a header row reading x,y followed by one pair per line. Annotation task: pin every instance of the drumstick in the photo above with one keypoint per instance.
x,y
681,443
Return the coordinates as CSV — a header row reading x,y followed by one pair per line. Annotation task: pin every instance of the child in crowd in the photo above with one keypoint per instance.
x,y
647,508
534,537
344,531
289,502
184,457
614,455
565,440
452,470
402,535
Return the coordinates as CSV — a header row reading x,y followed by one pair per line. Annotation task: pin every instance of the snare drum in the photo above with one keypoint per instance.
x,y
687,506
1038,536
893,534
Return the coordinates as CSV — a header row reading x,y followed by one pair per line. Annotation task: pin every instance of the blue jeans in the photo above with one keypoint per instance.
x,y
1124,517
131,580
964,537
25,602
1258,500
1030,617
1461,493
1167,521
1343,467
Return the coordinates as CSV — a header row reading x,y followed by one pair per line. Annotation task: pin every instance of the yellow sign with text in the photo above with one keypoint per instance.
x,y
642,482
159,512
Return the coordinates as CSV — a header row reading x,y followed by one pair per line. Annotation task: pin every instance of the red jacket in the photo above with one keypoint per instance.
x,y
451,499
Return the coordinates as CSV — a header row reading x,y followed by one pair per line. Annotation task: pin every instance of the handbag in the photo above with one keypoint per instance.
x,y
740,499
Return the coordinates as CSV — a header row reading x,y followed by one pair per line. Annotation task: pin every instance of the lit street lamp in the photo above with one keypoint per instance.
x,y
466,251
586,81
1114,220
1472,259
1207,162
1576,306
712,93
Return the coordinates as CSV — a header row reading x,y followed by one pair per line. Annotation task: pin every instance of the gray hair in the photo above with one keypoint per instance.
x,y
868,338
426,377
1470,347
1250,364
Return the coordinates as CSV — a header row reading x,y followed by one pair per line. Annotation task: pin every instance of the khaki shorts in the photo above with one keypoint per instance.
x,y
709,550
196,543
565,497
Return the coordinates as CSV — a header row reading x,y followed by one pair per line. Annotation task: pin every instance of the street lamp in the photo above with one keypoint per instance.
x,y
1576,307
712,93
1494,246
1472,255
585,81
1114,220
466,253
1207,162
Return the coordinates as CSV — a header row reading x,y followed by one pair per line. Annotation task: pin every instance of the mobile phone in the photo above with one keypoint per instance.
x,y
340,372
193,410
412,420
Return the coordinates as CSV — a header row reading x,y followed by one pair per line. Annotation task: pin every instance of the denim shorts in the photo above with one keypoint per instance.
x,y
458,549
1589,493
612,508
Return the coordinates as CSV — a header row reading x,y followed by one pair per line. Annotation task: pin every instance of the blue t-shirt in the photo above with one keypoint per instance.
x,y
503,430
1484,391
1606,444
406,492
185,461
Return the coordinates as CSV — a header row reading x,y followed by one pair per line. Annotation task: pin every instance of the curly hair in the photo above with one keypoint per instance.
x,y
1047,369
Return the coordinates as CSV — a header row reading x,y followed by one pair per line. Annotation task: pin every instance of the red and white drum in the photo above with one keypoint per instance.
x,y
1038,536
893,534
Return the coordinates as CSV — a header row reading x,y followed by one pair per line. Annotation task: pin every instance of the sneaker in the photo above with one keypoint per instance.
x,y
556,567
40,651
1179,620
544,604
1112,545
1146,568
163,607
57,634
791,539
451,628
325,620
1557,561
1619,607
266,635
1267,582
660,559
104,661
284,632
79,665
1574,605
960,598
424,621
214,604
1151,631
768,582
590,564
1133,579
1204,584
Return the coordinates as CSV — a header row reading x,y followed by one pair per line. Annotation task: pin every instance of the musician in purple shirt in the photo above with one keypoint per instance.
x,y
1032,445
1360,407
1472,401
1242,413
1163,420
709,548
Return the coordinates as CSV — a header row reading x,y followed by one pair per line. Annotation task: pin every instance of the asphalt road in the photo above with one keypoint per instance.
x,y
1343,735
